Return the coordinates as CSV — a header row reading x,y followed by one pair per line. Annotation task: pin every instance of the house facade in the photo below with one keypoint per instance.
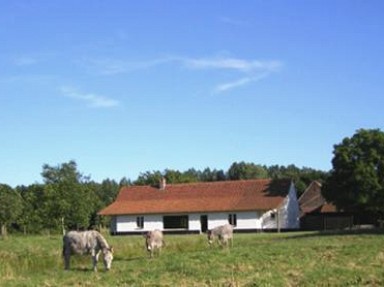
x,y
249,205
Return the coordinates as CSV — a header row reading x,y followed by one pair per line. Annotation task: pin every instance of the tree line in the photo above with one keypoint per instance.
x,y
69,200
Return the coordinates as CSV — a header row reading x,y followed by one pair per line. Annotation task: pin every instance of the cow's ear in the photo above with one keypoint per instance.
x,y
111,249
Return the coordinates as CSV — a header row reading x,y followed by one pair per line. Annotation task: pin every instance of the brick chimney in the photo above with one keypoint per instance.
x,y
162,183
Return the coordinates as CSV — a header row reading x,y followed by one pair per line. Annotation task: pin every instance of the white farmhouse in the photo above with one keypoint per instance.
x,y
249,205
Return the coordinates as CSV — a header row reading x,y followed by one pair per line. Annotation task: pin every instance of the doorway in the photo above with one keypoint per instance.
x,y
204,223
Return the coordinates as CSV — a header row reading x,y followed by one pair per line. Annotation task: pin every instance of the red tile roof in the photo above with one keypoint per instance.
x,y
313,201
221,196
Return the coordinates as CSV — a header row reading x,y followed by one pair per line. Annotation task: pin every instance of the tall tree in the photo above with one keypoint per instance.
x,y
356,182
10,207
32,218
69,199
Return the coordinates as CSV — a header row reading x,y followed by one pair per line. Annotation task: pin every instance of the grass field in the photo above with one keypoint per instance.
x,y
286,259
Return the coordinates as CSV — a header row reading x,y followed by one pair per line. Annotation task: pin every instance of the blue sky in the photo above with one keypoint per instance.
x,y
124,87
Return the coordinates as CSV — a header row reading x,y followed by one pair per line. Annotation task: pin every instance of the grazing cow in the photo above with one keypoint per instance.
x,y
154,241
87,242
223,233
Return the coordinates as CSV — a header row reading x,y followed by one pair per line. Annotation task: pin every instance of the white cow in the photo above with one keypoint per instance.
x,y
224,234
154,241
87,242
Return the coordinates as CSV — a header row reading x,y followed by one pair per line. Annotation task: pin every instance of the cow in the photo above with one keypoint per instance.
x,y
87,242
154,241
224,234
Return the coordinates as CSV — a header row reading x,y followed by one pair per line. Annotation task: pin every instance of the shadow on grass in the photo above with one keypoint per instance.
x,y
347,232
138,258
80,269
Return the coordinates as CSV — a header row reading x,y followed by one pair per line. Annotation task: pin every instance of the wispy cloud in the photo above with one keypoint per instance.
x,y
92,100
238,83
109,66
249,70
25,60
231,85
241,65
30,59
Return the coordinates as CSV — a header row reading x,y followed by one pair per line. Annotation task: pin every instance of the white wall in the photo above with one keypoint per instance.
x,y
194,222
292,219
127,223
286,215
245,220
248,220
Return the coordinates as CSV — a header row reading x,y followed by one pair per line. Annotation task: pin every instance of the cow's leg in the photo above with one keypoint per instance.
x,y
67,257
221,240
95,258
66,261
150,250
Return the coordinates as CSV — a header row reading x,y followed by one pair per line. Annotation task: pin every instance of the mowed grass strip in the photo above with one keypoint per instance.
x,y
259,259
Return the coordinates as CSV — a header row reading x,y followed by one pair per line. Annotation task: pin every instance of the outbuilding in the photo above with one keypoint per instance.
x,y
249,205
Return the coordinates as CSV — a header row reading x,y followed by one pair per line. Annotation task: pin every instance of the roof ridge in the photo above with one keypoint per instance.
x,y
209,182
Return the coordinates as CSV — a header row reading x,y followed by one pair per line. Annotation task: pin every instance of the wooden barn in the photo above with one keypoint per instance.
x,y
317,214
249,205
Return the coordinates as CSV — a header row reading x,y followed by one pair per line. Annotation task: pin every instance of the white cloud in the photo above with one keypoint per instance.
x,y
238,83
109,66
241,65
91,100
249,70
231,85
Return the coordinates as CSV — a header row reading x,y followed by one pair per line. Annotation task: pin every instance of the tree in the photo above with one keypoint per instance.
x,y
149,178
212,175
105,193
11,207
244,170
124,182
69,200
356,182
32,217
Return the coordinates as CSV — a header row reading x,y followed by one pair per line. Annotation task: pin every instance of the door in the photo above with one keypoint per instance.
x,y
204,223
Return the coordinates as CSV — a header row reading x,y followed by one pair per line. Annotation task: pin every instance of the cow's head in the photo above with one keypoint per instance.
x,y
107,257
148,239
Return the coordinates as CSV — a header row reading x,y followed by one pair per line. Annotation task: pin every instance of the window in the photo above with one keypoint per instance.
x,y
140,222
176,222
232,219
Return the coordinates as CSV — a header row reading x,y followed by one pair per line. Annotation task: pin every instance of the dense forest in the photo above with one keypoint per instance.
x,y
69,200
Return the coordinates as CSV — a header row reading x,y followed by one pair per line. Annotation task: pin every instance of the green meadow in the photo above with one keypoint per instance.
x,y
258,259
